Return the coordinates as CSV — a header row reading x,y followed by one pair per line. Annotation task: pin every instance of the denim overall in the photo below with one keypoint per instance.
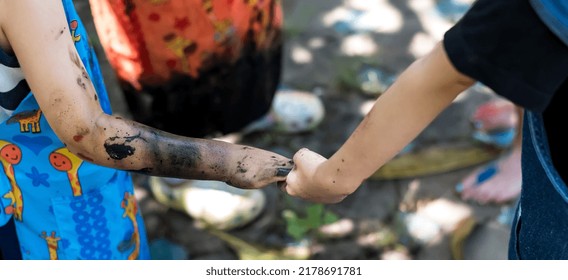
x,y
540,227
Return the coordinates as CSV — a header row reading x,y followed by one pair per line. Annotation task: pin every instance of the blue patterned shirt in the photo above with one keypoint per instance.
x,y
63,207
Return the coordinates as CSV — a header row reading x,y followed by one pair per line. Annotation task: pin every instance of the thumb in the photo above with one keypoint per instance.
x,y
307,160
300,157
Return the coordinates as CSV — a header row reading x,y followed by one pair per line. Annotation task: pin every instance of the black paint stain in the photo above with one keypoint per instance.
x,y
146,170
61,32
282,172
81,83
241,165
174,158
84,73
117,147
241,168
119,151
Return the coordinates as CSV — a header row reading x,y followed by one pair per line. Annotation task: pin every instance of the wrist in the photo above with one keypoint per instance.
x,y
337,178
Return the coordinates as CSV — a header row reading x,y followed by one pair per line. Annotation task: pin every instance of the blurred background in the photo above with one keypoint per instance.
x,y
345,53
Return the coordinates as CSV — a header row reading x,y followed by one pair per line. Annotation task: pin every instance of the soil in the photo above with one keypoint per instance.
x,y
329,44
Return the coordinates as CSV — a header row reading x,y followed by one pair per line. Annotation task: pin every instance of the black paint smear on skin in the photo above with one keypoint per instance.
x,y
282,172
117,147
241,168
60,32
119,151
176,158
146,170
81,84
241,164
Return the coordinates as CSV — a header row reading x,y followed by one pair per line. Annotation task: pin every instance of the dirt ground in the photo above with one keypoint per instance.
x,y
330,44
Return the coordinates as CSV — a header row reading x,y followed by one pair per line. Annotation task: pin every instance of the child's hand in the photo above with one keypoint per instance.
x,y
313,179
253,168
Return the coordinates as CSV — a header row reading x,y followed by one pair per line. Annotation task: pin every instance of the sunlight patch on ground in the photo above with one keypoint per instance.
x,y
301,55
435,26
339,229
366,107
380,14
140,193
365,16
421,44
316,43
335,15
445,213
359,45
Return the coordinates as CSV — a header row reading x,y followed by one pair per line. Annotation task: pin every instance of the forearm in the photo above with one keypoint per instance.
x,y
128,145
426,88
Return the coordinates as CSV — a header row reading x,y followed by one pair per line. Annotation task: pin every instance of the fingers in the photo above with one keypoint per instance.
x,y
302,181
291,182
299,156
307,160
297,185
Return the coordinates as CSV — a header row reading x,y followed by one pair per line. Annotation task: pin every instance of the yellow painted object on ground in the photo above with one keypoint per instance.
x,y
459,236
435,160
248,251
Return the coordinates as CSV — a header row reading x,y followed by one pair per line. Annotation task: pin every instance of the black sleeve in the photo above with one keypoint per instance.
x,y
504,45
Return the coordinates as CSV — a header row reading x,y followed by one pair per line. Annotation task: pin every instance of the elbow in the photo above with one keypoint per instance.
x,y
81,140
80,147
462,80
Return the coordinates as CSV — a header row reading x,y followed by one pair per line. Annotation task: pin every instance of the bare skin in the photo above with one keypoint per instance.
x,y
37,32
502,187
421,92
498,181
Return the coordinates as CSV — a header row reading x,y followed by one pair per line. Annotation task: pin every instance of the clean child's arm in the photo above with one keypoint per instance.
x,y
421,92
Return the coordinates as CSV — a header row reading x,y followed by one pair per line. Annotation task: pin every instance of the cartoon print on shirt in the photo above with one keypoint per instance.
x,y
74,24
27,120
63,160
29,152
130,210
52,244
10,155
